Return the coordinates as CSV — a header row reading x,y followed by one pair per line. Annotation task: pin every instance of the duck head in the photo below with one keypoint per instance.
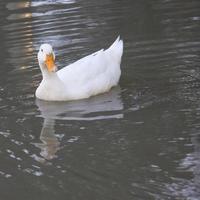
x,y
46,58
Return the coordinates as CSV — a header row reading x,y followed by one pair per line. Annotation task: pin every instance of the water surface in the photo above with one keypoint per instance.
x,y
140,140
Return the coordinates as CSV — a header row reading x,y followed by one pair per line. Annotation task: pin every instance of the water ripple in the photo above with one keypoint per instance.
x,y
140,140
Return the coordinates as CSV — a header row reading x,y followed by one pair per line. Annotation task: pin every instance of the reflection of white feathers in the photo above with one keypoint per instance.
x,y
103,106
50,144
89,76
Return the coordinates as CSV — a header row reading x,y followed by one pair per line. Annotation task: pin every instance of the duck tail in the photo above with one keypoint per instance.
x,y
117,48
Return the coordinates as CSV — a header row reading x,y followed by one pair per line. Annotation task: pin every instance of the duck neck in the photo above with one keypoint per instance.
x,y
51,88
46,74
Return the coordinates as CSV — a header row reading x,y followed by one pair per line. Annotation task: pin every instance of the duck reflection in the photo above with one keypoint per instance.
x,y
105,106
50,143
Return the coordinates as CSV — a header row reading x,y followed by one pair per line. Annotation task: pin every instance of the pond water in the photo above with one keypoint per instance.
x,y
141,140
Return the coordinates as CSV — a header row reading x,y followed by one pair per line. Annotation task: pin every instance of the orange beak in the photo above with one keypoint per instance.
x,y
50,63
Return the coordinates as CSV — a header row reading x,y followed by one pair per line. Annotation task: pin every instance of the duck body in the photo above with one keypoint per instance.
x,y
89,76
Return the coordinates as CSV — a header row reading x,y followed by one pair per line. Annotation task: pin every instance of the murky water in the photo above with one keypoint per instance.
x,y
139,141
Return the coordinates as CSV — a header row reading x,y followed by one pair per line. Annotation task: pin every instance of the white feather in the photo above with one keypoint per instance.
x,y
89,76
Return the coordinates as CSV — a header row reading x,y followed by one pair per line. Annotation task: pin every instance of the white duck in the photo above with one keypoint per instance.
x,y
89,76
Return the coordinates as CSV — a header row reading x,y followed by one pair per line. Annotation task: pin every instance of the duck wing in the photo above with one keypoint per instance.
x,y
95,73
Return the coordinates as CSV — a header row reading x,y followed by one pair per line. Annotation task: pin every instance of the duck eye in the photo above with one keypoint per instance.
x,y
41,50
